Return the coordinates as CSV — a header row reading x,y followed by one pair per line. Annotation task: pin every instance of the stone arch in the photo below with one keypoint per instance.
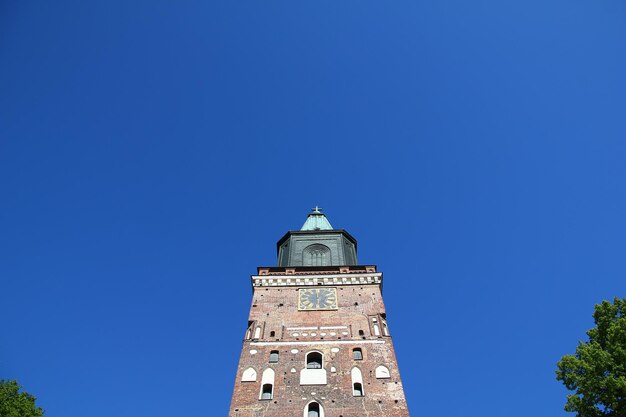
x,y
316,255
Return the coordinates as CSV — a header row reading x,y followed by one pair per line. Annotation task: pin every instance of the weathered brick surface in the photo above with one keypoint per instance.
x,y
275,309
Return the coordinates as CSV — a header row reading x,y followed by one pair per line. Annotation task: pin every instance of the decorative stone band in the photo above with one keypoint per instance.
x,y
357,342
299,281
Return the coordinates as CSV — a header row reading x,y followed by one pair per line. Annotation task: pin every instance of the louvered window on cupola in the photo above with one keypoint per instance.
x,y
267,385
357,354
316,255
274,356
357,382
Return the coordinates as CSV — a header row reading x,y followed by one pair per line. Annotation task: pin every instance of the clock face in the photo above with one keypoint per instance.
x,y
317,299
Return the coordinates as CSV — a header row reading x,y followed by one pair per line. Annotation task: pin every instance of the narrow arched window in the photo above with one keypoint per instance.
x,y
313,410
314,360
357,354
257,332
266,394
376,327
274,356
361,333
267,385
272,333
357,382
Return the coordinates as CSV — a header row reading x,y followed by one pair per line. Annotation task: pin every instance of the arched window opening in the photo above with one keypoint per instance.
x,y
376,327
313,410
314,360
267,385
257,332
272,333
361,333
357,382
357,354
249,330
316,255
267,392
274,356
385,328
383,321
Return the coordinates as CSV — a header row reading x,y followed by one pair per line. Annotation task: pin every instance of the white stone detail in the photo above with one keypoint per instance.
x,y
249,375
290,280
382,372
253,352
294,351
313,377
334,350
319,342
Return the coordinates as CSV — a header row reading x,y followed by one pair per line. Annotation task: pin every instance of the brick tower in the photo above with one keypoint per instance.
x,y
317,343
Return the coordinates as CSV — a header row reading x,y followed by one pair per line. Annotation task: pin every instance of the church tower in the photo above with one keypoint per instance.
x,y
317,342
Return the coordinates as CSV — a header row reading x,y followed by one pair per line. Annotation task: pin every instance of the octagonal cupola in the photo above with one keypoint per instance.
x,y
317,244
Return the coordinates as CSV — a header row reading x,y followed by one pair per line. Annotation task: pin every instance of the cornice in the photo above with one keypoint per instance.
x,y
316,280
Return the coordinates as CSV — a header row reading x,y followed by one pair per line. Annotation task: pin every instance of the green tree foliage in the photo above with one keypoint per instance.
x,y
597,371
17,404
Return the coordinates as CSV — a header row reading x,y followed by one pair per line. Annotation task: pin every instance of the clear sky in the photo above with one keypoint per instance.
x,y
152,153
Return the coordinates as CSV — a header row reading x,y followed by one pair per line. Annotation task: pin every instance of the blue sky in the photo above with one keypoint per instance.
x,y
152,153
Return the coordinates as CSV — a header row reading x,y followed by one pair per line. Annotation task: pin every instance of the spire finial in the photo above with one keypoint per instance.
x,y
317,210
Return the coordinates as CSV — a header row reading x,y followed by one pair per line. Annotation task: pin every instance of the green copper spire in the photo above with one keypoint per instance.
x,y
317,244
316,220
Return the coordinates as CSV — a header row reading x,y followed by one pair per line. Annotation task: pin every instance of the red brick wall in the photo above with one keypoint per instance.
x,y
276,309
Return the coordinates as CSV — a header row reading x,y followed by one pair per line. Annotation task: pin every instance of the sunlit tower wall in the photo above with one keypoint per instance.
x,y
317,343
